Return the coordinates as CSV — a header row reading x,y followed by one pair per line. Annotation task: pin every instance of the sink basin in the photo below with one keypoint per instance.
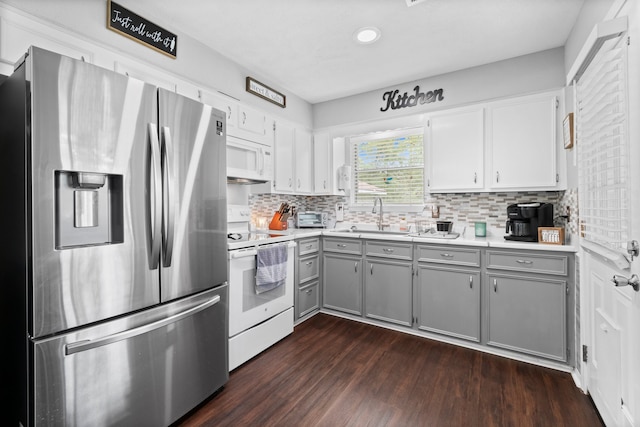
x,y
436,235
369,231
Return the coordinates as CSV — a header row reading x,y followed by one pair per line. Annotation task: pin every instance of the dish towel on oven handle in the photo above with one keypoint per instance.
x,y
271,267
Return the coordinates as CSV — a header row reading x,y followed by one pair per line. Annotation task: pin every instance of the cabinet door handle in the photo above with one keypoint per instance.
x,y
497,176
290,182
356,266
298,182
524,261
324,184
244,117
388,250
229,115
495,285
446,255
372,269
341,245
470,282
475,177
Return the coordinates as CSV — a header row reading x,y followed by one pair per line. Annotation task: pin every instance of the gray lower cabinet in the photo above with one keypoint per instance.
x,y
448,301
515,300
527,299
307,296
388,291
308,299
342,275
448,290
527,314
388,282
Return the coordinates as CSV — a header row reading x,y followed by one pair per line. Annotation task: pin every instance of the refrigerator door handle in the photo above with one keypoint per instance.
x,y
84,345
155,192
168,189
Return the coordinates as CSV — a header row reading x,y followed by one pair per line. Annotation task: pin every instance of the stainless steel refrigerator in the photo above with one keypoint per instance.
x,y
114,275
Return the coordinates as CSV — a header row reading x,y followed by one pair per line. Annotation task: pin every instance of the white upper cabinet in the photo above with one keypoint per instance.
x,y
322,183
522,139
509,145
242,121
294,158
252,121
225,104
303,161
455,147
18,32
284,174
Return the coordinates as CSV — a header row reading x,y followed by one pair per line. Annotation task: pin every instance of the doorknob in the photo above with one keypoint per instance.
x,y
633,281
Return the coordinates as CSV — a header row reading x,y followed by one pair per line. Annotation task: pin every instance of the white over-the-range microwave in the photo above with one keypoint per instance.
x,y
248,162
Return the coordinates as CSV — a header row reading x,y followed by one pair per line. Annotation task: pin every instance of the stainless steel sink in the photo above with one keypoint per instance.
x,y
369,231
432,234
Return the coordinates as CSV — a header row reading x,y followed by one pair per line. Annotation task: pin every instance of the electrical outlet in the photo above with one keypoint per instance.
x,y
435,211
339,212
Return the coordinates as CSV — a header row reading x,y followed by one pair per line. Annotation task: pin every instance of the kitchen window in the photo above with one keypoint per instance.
x,y
389,165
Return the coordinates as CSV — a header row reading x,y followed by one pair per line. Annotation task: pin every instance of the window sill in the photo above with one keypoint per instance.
x,y
388,208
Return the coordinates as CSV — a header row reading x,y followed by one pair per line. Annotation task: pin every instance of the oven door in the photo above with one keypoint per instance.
x,y
246,308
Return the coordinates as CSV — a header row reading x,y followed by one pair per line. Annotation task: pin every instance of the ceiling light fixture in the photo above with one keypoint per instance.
x,y
366,35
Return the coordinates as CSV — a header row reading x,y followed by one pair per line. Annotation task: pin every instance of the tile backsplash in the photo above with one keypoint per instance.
x,y
461,208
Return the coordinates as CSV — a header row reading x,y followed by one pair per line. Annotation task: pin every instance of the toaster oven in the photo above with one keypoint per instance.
x,y
311,220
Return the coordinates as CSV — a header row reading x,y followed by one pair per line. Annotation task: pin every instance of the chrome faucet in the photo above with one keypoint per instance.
x,y
375,203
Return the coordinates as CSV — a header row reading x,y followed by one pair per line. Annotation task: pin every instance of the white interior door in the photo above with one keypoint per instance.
x,y
611,319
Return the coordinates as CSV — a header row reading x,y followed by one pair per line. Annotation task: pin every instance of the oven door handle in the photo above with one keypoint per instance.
x,y
243,253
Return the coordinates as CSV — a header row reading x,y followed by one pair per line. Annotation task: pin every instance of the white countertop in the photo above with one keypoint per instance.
x,y
463,240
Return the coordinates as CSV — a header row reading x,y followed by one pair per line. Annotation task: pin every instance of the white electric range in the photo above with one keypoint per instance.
x,y
256,321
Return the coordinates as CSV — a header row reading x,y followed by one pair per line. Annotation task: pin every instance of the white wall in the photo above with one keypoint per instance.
x,y
525,74
200,64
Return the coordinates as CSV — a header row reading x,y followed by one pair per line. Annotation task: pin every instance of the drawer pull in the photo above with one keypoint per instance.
x,y
341,245
524,261
309,246
388,250
446,255
309,262
308,291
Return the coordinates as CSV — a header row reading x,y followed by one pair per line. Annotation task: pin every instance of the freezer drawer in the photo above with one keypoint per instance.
x,y
147,369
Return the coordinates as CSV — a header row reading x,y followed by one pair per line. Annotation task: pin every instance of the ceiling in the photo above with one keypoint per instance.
x,y
306,47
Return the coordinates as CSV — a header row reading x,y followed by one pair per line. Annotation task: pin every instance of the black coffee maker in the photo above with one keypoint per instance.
x,y
525,218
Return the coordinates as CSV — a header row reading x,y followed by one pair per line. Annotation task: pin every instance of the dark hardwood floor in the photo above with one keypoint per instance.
x,y
337,372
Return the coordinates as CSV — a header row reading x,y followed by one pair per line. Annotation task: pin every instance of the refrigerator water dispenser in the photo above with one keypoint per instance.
x,y
89,209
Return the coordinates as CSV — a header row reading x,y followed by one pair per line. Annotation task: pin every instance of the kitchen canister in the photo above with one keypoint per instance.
x,y
481,229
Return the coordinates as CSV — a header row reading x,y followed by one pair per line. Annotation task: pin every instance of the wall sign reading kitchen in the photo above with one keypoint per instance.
x,y
135,27
395,101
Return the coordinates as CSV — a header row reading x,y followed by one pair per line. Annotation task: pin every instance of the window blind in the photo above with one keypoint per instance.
x,y
603,147
389,165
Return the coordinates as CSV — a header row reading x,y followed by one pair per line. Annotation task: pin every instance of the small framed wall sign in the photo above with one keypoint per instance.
x,y
551,235
265,92
135,27
568,131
